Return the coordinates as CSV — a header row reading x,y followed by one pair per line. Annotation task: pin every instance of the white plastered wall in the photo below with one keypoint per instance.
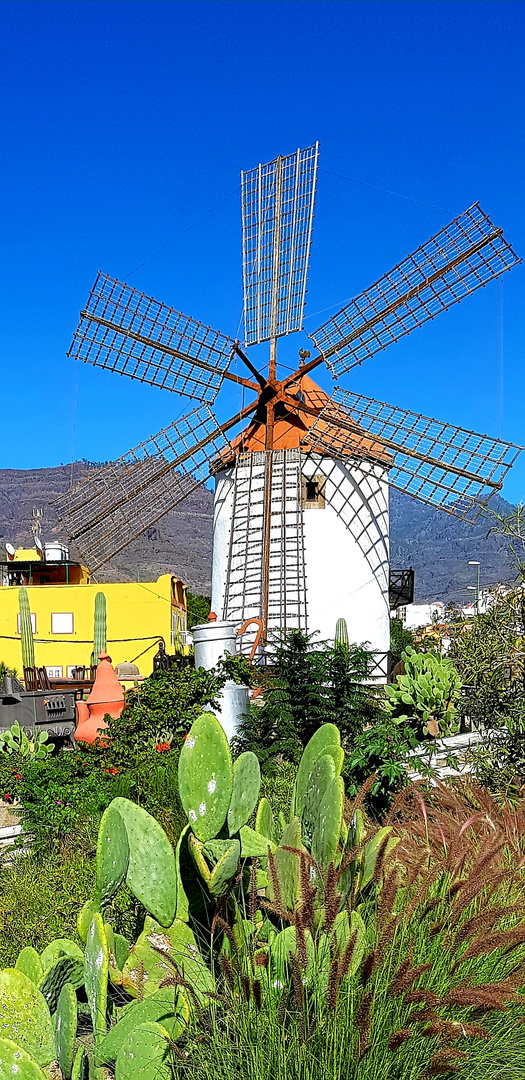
x,y
346,549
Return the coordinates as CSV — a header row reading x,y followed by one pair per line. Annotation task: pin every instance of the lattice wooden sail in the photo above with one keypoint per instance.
x,y
461,258
448,467
123,330
119,501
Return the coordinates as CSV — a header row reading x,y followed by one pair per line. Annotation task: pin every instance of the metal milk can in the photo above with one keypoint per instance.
x,y
213,640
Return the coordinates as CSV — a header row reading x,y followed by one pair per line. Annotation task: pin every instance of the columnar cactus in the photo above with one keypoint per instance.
x,y
341,633
26,630
99,637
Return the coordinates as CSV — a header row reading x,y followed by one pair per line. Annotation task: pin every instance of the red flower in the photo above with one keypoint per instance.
x,y
7,797
18,776
162,746
112,771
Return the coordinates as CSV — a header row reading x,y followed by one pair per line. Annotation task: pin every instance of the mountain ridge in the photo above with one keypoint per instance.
x,y
437,545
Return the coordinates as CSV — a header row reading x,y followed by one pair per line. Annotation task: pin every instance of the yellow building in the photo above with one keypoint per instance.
x,y
62,603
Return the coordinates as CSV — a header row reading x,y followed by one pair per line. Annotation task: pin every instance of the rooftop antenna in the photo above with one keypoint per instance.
x,y
124,331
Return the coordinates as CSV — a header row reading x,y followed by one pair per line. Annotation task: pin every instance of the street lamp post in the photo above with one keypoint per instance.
x,y
474,562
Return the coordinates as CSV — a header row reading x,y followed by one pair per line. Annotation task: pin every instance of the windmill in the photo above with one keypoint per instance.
x,y
302,450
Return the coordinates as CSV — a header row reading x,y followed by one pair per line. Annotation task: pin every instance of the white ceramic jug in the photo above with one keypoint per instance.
x,y
213,640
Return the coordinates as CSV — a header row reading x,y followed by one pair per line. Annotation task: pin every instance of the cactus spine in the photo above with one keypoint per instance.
x,y
26,630
99,636
341,634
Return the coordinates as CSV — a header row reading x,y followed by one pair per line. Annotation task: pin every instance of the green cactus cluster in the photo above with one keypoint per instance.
x,y
15,740
245,896
426,695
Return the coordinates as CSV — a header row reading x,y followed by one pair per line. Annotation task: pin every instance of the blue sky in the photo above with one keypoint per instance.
x,y
124,126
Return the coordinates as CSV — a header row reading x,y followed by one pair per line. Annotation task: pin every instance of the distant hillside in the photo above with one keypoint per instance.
x,y
435,544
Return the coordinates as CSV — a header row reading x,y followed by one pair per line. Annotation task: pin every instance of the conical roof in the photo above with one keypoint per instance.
x,y
291,427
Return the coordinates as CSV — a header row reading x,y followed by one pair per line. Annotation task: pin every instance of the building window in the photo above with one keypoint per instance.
x,y
33,623
313,492
62,622
54,672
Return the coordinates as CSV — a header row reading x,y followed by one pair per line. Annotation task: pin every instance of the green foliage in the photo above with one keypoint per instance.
x,y
425,696
161,709
400,639
308,685
26,630
99,632
379,750
489,652
199,608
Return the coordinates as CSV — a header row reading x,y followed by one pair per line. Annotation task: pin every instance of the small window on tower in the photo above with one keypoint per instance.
x,y
313,492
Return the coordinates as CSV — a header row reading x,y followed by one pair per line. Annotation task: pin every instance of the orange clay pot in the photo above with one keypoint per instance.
x,y
107,696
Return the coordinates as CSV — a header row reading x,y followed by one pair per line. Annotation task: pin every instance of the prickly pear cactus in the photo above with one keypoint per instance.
x,y
225,869
151,873
25,1016
80,1069
168,1007
16,1062
206,776
327,827
66,1029
265,821
341,634
148,965
112,853
326,740
30,963
67,969
96,970
57,948
288,867
143,1054
85,918
246,787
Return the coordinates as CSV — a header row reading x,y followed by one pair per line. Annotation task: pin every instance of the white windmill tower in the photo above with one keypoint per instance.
x,y
301,494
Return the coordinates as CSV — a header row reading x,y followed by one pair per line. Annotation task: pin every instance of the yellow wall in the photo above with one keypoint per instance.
x,y
140,612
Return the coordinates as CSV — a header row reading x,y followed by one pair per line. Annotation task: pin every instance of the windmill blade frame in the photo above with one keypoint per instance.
x,y
125,331
109,509
447,467
466,254
277,202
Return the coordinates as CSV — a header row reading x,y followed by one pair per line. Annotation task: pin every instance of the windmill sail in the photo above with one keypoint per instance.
x,y
465,255
118,502
123,330
448,467
277,218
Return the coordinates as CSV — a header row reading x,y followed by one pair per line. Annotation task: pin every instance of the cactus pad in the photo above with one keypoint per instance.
x,y
327,828
15,1061
206,776
26,1017
254,845
265,821
66,1028
151,874
80,1065
85,918
30,963
67,969
112,853
321,776
224,871
96,970
245,791
150,960
143,1054
168,1007
288,866
326,740
59,947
